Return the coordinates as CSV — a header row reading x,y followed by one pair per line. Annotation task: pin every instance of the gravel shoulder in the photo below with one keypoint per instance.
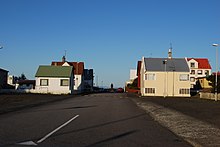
x,y
195,120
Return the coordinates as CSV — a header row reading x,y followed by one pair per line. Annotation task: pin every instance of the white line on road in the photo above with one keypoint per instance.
x,y
57,129
49,134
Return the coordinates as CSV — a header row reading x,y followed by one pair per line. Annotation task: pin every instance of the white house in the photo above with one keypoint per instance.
x,y
55,79
199,68
78,68
164,77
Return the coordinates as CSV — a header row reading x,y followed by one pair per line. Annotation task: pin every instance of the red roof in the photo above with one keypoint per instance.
x,y
203,63
78,66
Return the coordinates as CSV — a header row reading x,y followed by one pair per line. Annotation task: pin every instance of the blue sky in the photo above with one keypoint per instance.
x,y
110,36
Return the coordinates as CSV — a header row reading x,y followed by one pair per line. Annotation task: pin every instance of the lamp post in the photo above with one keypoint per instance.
x,y
216,73
165,70
1,47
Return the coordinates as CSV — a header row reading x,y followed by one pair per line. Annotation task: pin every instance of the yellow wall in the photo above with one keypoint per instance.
x,y
166,84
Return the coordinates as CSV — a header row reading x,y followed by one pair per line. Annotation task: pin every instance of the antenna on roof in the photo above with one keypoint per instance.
x,y
170,51
64,57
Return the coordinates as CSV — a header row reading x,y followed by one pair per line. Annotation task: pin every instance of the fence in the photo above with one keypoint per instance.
x,y
210,96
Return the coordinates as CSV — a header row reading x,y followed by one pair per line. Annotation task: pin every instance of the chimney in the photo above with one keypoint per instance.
x,y
170,53
63,59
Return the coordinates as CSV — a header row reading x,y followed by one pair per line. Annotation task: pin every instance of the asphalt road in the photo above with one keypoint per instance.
x,y
92,120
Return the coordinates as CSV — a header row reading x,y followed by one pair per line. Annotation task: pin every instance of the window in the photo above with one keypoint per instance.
x,y
150,76
64,82
206,72
192,79
184,91
199,72
44,82
184,77
150,90
192,65
192,72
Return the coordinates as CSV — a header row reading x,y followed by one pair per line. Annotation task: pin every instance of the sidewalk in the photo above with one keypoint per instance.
x,y
182,117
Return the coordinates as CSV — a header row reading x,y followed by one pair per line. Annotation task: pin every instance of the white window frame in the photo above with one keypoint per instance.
x,y
184,91
206,72
150,90
150,76
199,72
194,64
193,72
184,77
192,79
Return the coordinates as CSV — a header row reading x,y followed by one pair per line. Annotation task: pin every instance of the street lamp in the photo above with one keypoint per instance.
x,y
1,47
216,73
165,70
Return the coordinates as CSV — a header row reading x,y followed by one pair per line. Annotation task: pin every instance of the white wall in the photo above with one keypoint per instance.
x,y
53,86
78,83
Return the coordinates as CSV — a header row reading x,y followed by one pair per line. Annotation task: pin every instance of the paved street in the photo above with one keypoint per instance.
x,y
92,120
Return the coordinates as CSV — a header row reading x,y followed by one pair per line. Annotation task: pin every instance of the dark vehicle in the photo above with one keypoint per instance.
x,y
120,90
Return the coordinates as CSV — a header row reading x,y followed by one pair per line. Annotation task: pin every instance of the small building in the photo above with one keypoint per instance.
x,y
88,80
3,78
78,69
164,77
55,79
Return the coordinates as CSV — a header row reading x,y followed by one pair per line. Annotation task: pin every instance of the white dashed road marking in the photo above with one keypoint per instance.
x,y
49,134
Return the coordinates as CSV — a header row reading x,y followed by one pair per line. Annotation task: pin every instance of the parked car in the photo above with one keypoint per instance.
x,y
120,90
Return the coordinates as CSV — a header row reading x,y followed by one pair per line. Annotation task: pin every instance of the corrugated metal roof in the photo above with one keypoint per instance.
x,y
174,64
54,71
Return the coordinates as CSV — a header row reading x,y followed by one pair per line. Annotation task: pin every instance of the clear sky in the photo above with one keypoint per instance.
x,y
110,36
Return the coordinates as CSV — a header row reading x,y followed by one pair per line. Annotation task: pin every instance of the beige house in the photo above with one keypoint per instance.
x,y
164,77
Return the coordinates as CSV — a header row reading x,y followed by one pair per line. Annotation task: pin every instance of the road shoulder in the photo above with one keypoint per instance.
x,y
194,131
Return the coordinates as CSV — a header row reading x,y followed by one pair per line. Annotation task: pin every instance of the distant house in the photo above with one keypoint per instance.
x,y
3,78
199,68
78,68
55,79
164,77
88,80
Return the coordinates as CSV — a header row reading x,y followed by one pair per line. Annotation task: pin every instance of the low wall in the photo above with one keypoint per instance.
x,y
7,91
210,96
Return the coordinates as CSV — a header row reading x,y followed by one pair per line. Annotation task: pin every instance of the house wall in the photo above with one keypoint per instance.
x,y
54,86
166,84
78,87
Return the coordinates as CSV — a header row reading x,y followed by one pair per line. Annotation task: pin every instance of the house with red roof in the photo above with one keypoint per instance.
x,y
199,67
78,70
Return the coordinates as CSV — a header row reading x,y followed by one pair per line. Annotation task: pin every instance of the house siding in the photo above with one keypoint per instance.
x,y
54,86
165,83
